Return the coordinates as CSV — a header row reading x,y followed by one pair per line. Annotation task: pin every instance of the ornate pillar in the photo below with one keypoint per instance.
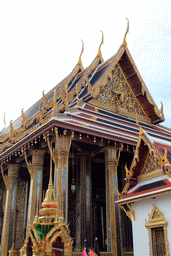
x,y
60,155
88,195
78,206
113,232
83,203
83,198
36,178
10,208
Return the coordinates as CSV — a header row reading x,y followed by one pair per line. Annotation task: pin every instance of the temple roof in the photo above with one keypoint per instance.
x,y
148,189
151,159
74,102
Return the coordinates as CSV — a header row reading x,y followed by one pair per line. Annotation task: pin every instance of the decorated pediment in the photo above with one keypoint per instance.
x,y
117,96
151,164
156,218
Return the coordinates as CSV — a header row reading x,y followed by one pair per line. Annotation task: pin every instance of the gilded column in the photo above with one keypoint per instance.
x,y
88,194
113,232
67,143
10,208
60,155
36,178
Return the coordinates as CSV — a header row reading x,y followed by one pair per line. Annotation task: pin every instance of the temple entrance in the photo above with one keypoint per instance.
x,y
58,247
99,204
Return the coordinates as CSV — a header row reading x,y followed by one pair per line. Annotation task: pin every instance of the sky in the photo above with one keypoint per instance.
x,y
40,45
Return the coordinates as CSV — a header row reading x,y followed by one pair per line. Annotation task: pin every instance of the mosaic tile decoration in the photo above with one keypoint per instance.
x,y
29,205
20,214
12,214
88,202
64,183
38,188
108,212
55,180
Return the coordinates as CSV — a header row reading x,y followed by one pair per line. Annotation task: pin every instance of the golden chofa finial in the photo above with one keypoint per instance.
x,y
4,118
23,117
54,104
99,52
124,40
80,62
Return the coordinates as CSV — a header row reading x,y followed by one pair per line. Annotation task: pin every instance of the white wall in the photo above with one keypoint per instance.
x,y
140,232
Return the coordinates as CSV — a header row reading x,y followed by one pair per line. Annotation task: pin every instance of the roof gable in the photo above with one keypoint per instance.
x,y
131,76
117,96
147,159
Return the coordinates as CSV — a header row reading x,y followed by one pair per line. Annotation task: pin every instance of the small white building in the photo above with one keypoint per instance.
x,y
146,197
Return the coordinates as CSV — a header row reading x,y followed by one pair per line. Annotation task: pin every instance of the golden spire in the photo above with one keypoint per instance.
x,y
99,52
124,40
80,62
49,204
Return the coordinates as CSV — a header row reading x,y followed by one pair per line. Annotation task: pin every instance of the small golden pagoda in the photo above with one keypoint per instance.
x,y
49,234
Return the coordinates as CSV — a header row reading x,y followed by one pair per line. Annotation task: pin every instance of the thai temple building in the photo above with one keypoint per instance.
x,y
89,160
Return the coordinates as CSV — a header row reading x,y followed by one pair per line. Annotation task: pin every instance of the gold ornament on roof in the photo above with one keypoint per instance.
x,y
129,213
54,104
124,40
165,156
79,61
161,110
102,41
4,118
128,173
23,117
141,130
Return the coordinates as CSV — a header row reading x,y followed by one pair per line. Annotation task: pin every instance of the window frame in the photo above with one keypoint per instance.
x,y
157,220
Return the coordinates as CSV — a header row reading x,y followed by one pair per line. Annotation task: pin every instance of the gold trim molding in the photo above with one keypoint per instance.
x,y
150,175
157,219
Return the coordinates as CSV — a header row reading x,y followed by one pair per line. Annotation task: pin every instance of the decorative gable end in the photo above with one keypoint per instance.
x,y
150,165
117,96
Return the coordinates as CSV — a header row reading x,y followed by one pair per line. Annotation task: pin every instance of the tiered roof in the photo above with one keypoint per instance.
x,y
81,102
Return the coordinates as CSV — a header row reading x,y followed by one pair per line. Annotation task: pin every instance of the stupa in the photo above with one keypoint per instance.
x,y
49,234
